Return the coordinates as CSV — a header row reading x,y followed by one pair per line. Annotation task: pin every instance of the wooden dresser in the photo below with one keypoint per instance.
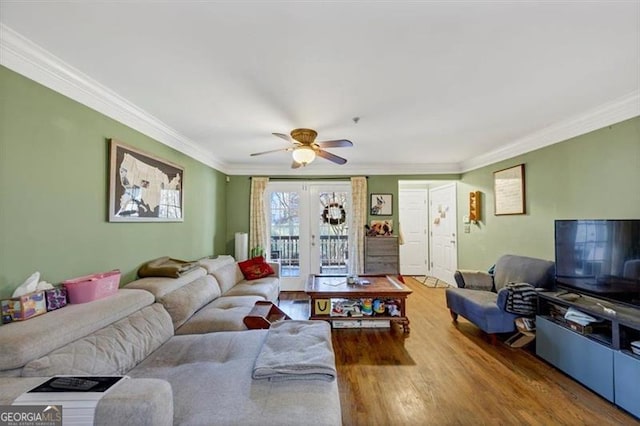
x,y
381,255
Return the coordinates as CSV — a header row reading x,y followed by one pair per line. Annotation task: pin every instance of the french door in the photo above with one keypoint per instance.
x,y
308,229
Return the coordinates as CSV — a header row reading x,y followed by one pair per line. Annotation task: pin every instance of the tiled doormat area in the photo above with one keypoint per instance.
x,y
432,282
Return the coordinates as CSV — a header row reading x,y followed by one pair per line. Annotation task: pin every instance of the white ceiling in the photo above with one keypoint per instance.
x,y
438,86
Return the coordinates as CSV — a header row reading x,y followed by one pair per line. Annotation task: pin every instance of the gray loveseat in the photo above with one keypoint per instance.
x,y
481,297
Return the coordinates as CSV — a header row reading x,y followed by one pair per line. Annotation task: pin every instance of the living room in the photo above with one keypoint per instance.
x,y
54,159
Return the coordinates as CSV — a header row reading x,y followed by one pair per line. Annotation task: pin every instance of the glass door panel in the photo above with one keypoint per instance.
x,y
331,243
285,231
308,229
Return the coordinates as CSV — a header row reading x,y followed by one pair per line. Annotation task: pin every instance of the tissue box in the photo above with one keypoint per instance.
x,y
92,287
23,307
56,298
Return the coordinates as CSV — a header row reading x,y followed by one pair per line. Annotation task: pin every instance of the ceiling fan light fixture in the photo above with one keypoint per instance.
x,y
303,155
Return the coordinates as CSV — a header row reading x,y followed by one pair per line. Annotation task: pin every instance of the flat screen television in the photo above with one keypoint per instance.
x,y
599,257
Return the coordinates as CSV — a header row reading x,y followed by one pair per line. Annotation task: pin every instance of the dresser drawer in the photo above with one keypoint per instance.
x,y
381,267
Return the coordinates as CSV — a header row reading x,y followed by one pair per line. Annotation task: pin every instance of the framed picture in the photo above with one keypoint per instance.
x,y
381,204
143,187
509,190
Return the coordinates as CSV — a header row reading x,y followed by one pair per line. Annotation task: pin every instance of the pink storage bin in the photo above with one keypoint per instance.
x,y
92,287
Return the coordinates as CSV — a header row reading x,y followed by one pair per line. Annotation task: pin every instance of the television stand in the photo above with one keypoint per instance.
x,y
598,355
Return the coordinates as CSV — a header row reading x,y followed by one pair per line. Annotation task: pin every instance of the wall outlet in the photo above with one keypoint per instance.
x,y
467,229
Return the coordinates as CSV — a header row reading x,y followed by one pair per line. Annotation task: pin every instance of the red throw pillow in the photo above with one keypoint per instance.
x,y
255,268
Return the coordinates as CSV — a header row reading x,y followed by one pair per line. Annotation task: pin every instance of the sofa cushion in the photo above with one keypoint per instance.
x,y
255,268
212,264
268,288
184,302
160,286
114,349
228,276
481,308
223,314
62,326
210,375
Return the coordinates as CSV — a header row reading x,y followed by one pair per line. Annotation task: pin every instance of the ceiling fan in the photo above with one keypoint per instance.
x,y
305,149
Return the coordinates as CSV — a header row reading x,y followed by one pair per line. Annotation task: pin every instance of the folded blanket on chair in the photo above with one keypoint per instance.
x,y
521,299
296,350
166,267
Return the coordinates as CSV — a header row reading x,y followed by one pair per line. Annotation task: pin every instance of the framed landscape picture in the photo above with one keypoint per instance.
x,y
381,204
143,187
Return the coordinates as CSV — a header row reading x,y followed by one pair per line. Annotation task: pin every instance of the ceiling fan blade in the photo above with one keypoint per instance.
x,y
331,157
338,143
283,136
273,150
295,165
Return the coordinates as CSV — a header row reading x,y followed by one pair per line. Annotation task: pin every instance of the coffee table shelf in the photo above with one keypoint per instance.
x,y
324,289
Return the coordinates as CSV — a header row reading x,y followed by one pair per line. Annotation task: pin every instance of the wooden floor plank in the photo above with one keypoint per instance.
x,y
450,374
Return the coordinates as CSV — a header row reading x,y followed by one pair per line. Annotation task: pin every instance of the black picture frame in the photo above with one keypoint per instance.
x,y
381,204
143,187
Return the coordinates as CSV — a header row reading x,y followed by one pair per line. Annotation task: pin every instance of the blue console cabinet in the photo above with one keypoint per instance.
x,y
601,358
587,361
627,381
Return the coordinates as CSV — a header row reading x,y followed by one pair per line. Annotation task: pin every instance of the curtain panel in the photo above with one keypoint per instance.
x,y
358,221
257,216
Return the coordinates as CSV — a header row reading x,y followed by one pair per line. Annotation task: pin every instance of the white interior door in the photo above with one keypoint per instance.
x,y
443,219
308,229
413,215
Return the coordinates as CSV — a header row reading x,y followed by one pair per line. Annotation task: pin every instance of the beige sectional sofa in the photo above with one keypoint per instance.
x,y
188,379
213,297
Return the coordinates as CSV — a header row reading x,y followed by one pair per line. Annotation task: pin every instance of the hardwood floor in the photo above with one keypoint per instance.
x,y
448,374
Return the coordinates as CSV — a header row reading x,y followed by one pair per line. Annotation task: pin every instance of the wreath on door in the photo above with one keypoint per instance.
x,y
334,214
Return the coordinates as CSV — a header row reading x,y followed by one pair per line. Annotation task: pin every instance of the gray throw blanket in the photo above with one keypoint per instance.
x,y
296,350
521,298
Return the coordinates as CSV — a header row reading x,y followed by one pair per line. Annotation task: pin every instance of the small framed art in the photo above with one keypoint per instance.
x,y
381,204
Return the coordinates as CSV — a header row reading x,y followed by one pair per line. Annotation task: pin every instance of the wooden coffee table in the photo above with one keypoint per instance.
x,y
325,290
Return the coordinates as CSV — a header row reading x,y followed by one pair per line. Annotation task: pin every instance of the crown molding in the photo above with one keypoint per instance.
x,y
27,58
329,169
618,110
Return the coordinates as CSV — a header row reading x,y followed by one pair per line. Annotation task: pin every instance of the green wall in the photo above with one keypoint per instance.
x,y
53,193
596,175
53,175
239,189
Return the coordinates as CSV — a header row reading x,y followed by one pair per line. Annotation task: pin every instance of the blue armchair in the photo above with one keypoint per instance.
x,y
481,298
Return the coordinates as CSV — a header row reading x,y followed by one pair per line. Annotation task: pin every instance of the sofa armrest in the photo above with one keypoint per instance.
x,y
474,280
276,268
139,402
501,301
